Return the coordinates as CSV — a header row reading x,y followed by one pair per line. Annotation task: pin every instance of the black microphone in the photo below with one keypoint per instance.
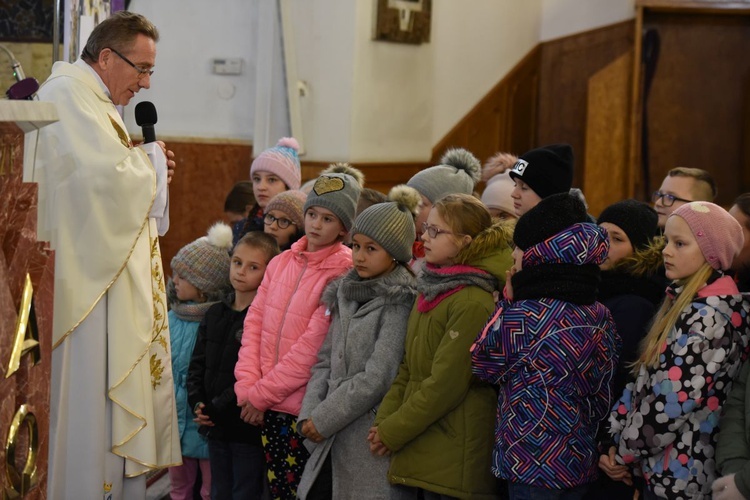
x,y
145,117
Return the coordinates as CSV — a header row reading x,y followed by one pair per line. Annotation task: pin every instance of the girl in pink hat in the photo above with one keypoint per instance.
x,y
665,425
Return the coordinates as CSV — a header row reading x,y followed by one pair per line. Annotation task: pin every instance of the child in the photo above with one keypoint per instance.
x,y
540,173
552,351
632,287
360,356
239,202
234,447
458,172
286,325
499,186
200,278
283,219
436,420
666,422
275,170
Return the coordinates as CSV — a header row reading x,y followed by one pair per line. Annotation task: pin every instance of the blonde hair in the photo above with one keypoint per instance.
x,y
705,185
667,316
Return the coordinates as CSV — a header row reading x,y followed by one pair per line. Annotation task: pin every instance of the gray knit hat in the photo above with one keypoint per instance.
x,y
458,172
339,193
391,224
204,263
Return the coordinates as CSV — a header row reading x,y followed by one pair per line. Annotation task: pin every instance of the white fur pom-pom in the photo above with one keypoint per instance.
x,y
220,235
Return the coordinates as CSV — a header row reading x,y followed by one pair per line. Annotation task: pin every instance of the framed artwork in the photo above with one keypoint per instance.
x,y
28,21
403,21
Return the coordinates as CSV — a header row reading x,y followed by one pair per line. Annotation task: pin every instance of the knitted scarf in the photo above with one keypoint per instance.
x,y
437,283
567,282
186,311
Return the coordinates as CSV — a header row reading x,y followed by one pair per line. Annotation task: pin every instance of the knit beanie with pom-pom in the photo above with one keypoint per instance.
x,y
281,160
458,172
204,263
391,224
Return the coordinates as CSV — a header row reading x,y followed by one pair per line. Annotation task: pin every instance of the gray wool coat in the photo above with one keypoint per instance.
x,y
356,366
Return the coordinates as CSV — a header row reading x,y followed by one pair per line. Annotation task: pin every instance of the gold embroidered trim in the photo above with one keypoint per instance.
x,y
122,267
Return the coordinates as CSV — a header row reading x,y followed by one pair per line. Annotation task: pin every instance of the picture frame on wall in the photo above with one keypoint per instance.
x,y
403,21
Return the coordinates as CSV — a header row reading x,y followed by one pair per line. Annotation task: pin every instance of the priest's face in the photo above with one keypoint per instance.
x,y
126,73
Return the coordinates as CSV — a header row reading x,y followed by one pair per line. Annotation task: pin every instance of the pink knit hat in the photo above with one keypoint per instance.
x,y
718,234
291,203
497,193
281,160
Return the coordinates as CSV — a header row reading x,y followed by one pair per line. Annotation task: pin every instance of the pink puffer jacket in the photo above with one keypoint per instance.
x,y
285,327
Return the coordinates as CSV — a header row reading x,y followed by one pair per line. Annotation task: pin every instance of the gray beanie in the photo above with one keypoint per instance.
x,y
458,172
339,193
204,263
391,226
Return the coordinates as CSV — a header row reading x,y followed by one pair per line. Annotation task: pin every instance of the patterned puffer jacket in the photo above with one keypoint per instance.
x,y
667,421
553,361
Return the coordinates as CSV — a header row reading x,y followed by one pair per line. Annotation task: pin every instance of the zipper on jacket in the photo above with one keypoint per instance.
x,y
286,309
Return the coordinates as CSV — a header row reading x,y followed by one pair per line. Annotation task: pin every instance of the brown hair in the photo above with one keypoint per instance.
x,y
708,191
117,32
464,214
240,197
743,203
260,241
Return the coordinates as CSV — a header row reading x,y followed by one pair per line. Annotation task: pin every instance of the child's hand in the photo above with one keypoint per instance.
x,y
251,414
725,488
200,418
616,472
310,432
376,445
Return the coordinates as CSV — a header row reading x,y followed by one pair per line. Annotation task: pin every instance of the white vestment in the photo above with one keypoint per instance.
x,y
112,411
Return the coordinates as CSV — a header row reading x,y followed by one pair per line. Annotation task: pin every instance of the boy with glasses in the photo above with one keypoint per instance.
x,y
682,185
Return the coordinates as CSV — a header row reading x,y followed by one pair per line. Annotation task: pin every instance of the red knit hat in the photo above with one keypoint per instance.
x,y
718,234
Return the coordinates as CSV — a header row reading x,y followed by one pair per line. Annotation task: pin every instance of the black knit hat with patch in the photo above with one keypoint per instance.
x,y
546,170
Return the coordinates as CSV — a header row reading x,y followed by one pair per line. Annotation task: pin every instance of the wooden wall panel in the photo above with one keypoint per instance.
x,y
204,175
607,180
696,112
566,66
504,120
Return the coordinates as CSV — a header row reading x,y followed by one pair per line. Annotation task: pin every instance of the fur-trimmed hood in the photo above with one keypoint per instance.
x,y
645,262
490,250
396,286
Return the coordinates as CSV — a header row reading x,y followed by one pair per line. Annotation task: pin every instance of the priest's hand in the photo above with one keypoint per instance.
x,y
171,164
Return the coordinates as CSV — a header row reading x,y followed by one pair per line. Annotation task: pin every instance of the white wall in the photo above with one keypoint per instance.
x,y
392,102
324,33
367,100
183,87
475,45
565,17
